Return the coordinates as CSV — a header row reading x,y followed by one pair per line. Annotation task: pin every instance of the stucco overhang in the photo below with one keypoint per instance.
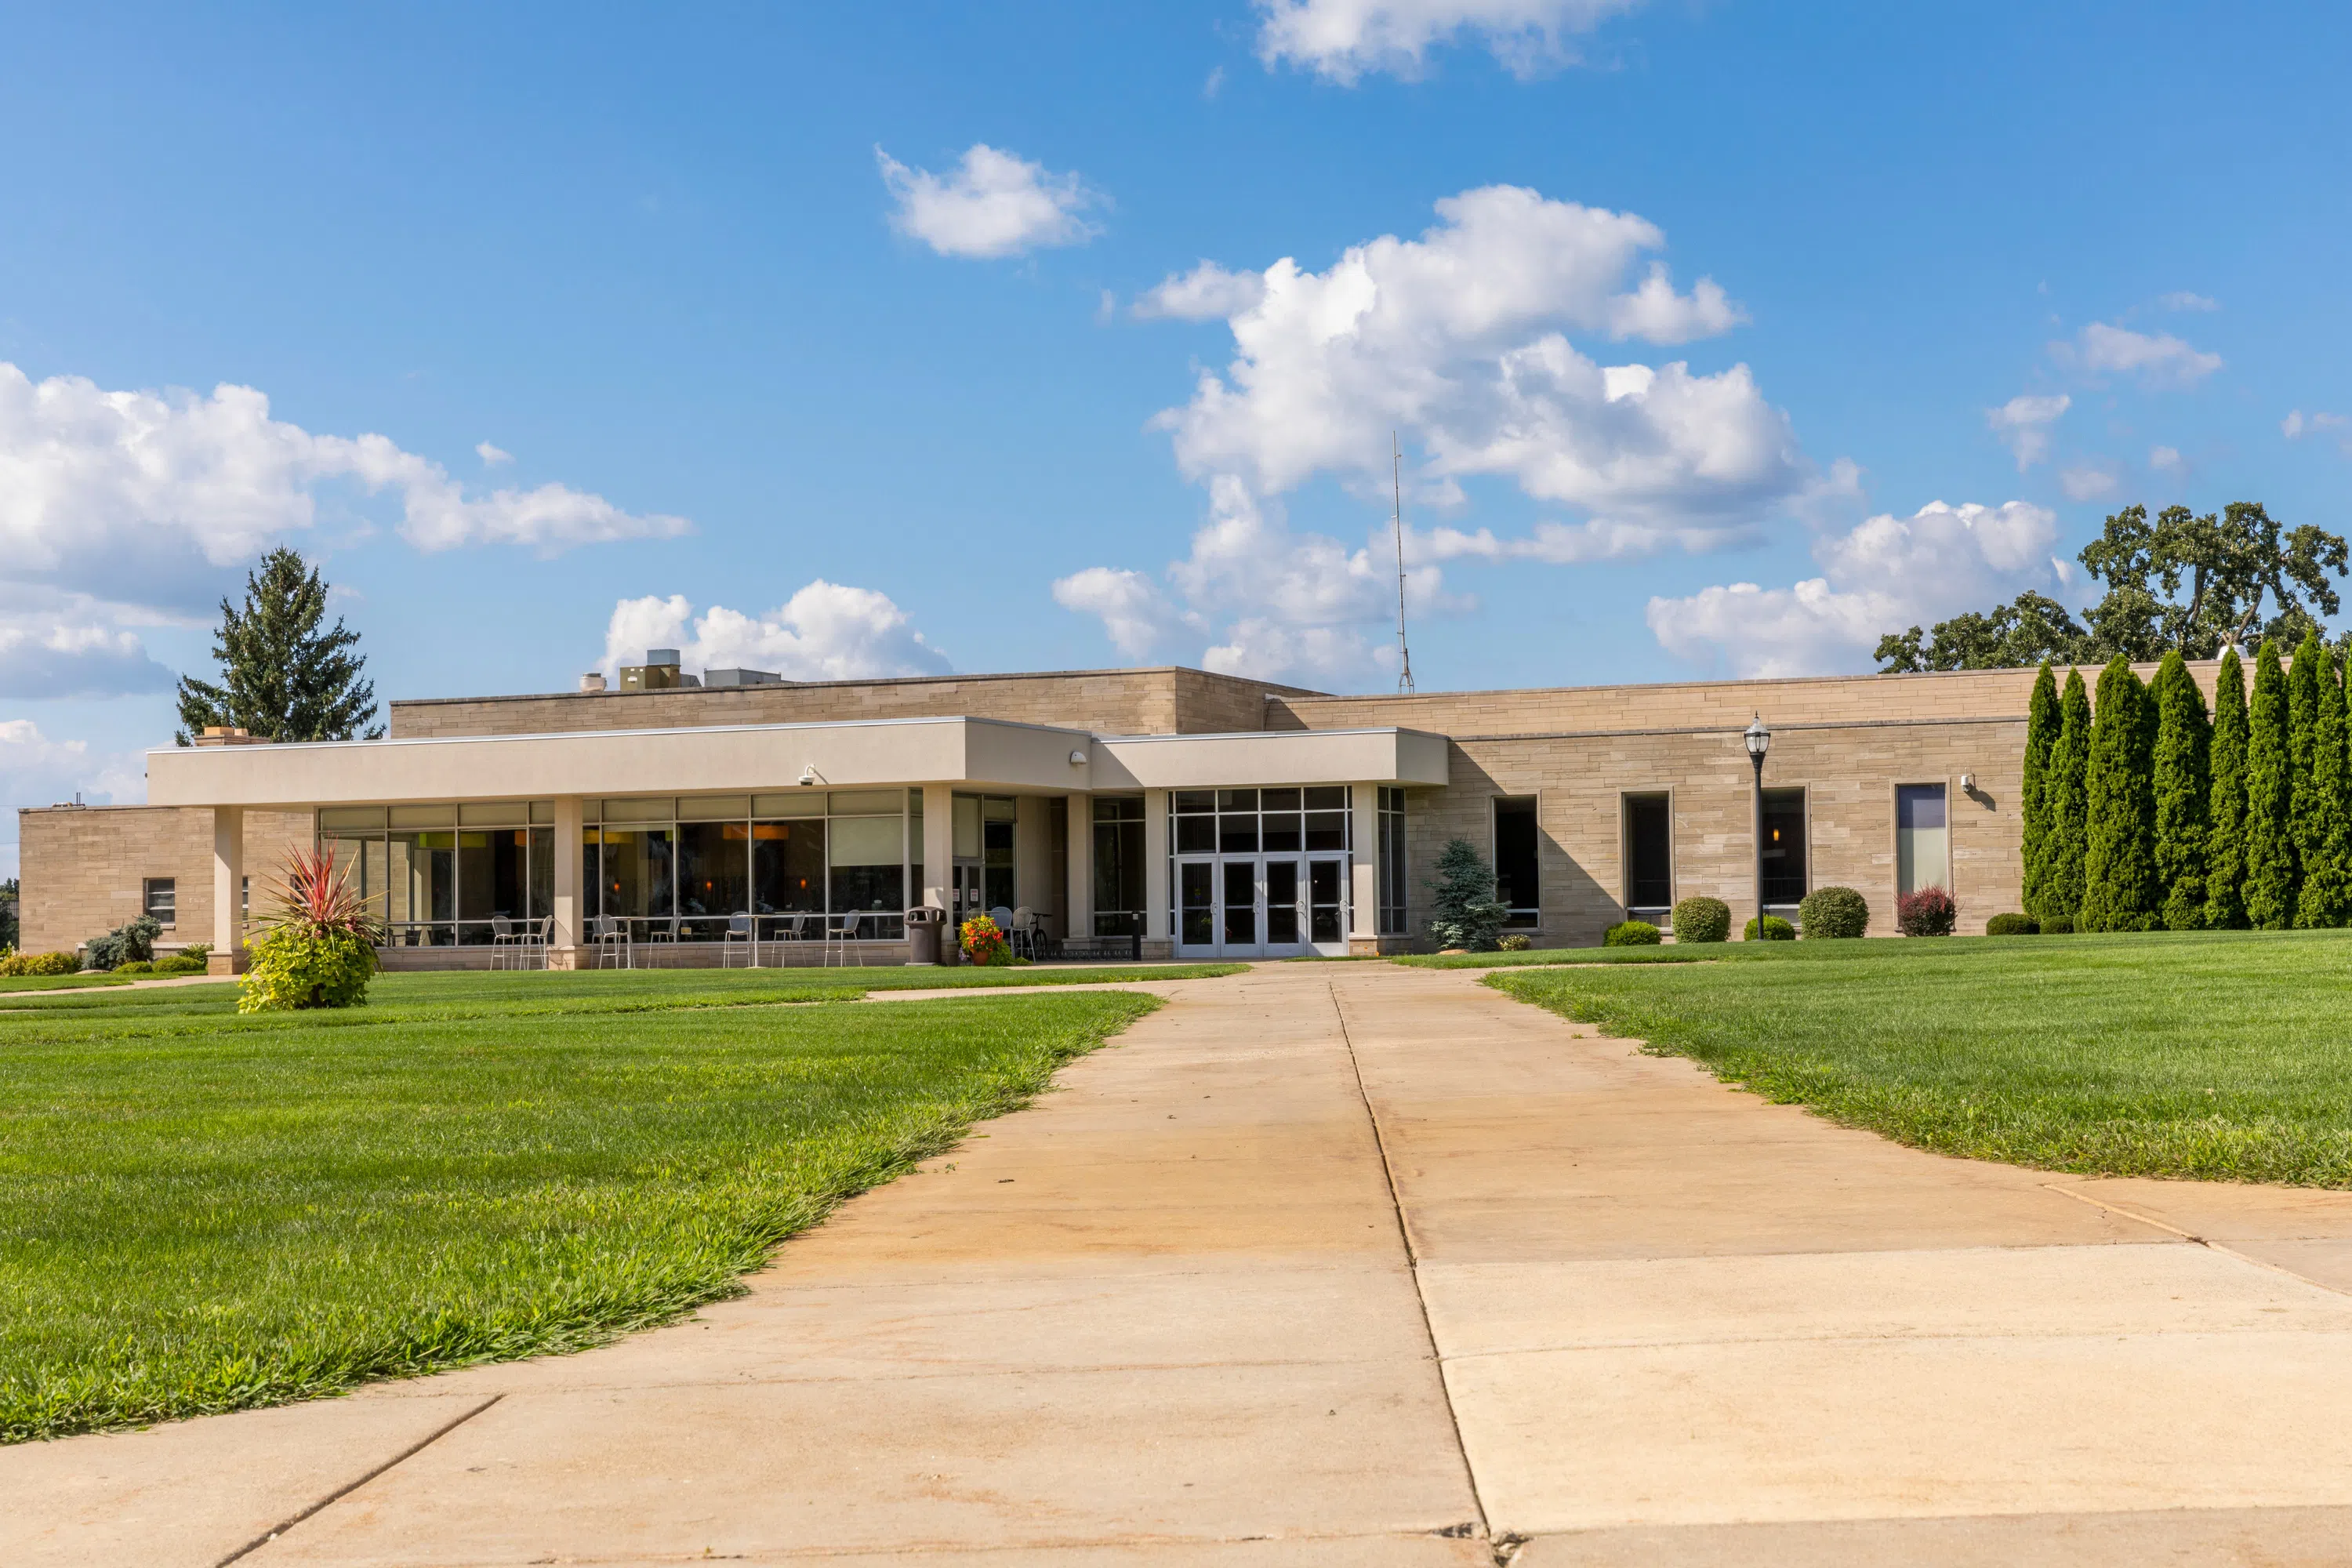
x,y
735,759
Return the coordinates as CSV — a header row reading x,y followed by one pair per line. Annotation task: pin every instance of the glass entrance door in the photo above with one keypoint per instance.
x,y
1261,906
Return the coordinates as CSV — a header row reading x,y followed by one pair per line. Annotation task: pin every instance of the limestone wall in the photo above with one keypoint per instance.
x,y
84,867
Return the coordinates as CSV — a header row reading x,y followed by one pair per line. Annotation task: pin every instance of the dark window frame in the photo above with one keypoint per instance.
x,y
1525,915
1632,887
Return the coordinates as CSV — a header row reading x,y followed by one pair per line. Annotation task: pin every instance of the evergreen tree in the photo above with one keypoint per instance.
x,y
282,677
2119,884
2324,805
2225,842
2041,722
2183,792
2302,732
2070,758
1465,911
2271,870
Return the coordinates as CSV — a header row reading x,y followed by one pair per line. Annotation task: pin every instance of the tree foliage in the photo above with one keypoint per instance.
x,y
2323,801
2176,582
1465,910
2225,841
2119,882
2042,722
2271,872
2070,759
2182,775
283,678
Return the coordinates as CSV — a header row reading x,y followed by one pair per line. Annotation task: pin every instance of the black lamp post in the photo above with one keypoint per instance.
x,y
1760,741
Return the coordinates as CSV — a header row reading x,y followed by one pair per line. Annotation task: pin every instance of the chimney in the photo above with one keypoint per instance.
x,y
229,735
593,681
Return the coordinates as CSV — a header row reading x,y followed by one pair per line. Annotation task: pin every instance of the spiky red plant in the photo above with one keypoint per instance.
x,y
314,895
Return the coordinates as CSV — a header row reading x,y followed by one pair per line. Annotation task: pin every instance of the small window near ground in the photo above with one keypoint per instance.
x,y
161,902
1784,846
1922,839
1516,862
1648,854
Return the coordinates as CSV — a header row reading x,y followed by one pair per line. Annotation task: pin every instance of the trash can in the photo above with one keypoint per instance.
x,y
926,927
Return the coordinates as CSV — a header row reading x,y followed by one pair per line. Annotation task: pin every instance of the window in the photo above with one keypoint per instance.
x,y
1259,821
1922,842
1516,863
1649,853
998,816
1392,885
161,899
1118,867
1784,846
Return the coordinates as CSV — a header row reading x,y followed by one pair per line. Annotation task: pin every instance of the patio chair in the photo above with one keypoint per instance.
x,y
505,942
841,935
613,942
1023,933
740,936
531,942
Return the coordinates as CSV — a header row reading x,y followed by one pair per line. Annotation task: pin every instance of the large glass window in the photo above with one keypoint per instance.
x,y
713,870
1118,867
1648,854
493,878
1784,846
1258,821
640,862
998,816
869,855
1394,887
1922,838
788,867
1517,880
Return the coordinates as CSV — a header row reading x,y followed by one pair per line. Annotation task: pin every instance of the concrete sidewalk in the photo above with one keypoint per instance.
x,y
1350,1263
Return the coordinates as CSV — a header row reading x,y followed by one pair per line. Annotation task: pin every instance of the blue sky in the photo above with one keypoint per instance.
x,y
848,340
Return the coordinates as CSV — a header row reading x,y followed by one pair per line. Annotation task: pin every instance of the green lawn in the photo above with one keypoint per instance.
x,y
201,1212
2224,1057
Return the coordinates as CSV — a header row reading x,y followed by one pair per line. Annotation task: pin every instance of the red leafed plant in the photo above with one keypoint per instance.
x,y
1927,912
317,943
314,895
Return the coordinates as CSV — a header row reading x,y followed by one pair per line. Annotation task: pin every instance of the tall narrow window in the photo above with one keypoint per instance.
x,y
1392,888
1922,841
1648,854
1516,863
1119,866
1784,846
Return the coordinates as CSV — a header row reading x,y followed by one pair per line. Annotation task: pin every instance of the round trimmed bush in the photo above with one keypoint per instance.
x,y
1631,933
1702,919
1775,930
1518,941
2012,925
1834,913
1927,912
2057,925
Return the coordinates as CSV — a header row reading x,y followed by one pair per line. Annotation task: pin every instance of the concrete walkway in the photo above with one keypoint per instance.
x,y
1348,1264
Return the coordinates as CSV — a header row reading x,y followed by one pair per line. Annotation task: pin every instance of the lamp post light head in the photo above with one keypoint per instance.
x,y
1759,739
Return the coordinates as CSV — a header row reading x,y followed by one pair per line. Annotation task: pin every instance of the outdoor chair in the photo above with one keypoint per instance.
x,y
1024,933
506,943
613,942
841,935
740,936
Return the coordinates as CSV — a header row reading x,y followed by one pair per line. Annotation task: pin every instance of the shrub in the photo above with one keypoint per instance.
x,y
1467,913
1518,941
984,943
1927,912
318,943
1835,912
132,941
180,964
2058,925
41,964
1702,919
1631,933
1775,930
2012,925
136,966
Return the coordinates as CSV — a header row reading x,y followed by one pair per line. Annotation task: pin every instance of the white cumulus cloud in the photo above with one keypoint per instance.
x,y
2159,360
993,203
1462,342
824,632
1884,576
58,645
2023,426
492,456
1341,40
1135,613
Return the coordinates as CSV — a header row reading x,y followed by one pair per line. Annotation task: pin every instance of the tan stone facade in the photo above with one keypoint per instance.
x,y
1849,742
86,869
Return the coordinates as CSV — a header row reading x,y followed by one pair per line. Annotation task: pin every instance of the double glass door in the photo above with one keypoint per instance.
x,y
1261,906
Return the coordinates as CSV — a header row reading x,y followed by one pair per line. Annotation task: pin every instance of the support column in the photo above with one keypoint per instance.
x,y
1158,941
1364,869
228,891
939,847
569,931
1081,856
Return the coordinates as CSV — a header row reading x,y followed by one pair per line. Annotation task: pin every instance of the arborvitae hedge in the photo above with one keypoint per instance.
x,y
2070,759
2301,732
2042,722
2270,806
2119,886
2183,790
2324,804
2225,841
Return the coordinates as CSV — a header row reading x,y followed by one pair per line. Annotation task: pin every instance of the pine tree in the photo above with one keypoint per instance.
x,y
2270,804
282,677
2324,805
2181,767
2225,842
2119,885
1465,910
2041,722
2070,757
2302,731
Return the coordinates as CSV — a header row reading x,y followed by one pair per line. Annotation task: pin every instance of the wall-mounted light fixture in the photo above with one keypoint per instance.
x,y
1078,759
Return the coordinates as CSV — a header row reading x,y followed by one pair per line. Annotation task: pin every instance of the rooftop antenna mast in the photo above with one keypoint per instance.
x,y
1396,481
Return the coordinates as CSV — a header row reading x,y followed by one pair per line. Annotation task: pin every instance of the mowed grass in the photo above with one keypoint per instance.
x,y
200,1212
2223,1057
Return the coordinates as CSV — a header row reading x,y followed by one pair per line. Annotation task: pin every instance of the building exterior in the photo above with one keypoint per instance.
x,y
1167,810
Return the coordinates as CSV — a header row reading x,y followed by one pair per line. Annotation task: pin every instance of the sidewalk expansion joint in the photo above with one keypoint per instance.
x,y
258,1542
2208,1243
